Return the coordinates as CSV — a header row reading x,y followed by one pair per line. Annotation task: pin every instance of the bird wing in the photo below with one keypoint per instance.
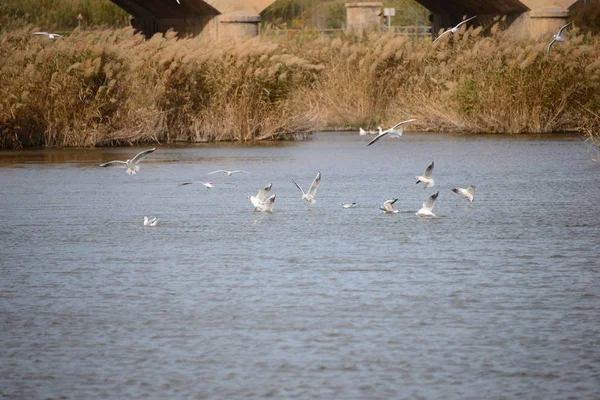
x,y
185,183
141,155
376,138
298,186
428,171
560,31
262,193
257,203
428,204
471,190
152,220
315,185
401,123
269,203
437,38
40,33
389,204
550,46
464,22
216,172
235,171
116,163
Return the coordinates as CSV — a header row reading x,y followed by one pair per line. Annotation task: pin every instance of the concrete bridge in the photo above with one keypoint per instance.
x,y
526,17
213,18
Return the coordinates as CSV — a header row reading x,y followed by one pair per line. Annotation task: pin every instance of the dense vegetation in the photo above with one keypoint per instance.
x,y
112,87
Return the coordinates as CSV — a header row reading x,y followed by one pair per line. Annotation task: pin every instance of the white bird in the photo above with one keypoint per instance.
x,y
208,185
229,173
131,166
427,209
392,131
388,207
309,196
263,206
557,37
426,177
362,132
258,200
177,1
348,205
150,221
467,193
50,36
453,30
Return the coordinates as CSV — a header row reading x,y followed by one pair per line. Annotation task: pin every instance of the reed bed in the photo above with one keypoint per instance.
x,y
113,87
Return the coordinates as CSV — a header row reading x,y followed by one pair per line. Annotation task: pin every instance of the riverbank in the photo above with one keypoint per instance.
x,y
110,87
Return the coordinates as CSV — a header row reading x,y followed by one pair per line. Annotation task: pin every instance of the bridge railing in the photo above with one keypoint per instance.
x,y
417,31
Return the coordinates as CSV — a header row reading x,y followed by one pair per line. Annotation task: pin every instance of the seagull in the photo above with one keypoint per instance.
x,y
349,205
150,222
51,36
392,131
453,30
177,1
362,132
309,197
263,206
131,166
467,193
427,210
229,173
388,207
259,200
426,177
208,185
557,38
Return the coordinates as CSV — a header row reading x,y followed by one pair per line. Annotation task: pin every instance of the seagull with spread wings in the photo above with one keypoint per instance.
x,y
388,207
309,197
258,201
557,38
392,131
229,173
427,209
50,36
426,177
467,193
455,29
131,166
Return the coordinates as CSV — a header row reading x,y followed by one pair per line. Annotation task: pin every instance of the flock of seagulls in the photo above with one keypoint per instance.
x,y
262,203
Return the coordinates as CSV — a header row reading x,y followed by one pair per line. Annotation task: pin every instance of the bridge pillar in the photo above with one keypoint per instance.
x,y
237,26
363,15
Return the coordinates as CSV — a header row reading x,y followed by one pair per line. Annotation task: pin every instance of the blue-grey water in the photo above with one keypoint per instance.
x,y
500,300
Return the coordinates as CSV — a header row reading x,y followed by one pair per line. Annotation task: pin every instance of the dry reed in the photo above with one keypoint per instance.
x,y
113,87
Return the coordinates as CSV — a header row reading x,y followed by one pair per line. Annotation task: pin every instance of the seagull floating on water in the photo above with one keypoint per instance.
x,y
131,166
150,221
362,132
388,207
557,38
50,36
455,29
348,205
309,197
427,209
258,201
392,131
467,193
229,173
426,177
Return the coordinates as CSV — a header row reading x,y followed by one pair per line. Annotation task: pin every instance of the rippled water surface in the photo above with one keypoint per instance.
x,y
498,300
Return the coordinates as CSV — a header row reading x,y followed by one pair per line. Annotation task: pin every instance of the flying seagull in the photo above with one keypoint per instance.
x,y
309,197
51,36
467,193
455,29
557,38
229,173
208,185
263,206
388,207
392,131
258,201
150,221
348,205
426,177
131,166
427,210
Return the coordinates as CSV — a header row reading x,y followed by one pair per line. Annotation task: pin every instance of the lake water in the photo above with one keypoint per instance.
x,y
498,300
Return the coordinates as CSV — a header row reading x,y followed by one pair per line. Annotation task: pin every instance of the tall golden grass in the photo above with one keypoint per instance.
x,y
113,87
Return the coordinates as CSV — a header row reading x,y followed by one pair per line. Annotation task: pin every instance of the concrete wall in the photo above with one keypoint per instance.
x,y
364,15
